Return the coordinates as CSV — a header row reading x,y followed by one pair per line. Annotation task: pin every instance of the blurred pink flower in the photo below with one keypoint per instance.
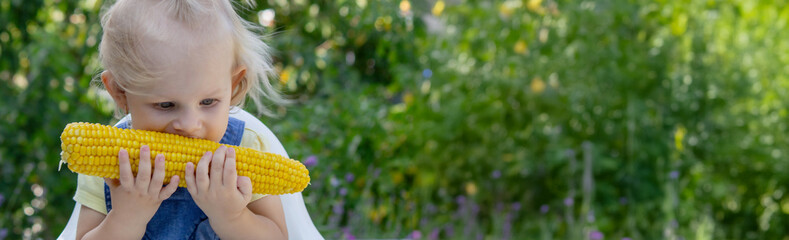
x,y
416,234
349,177
595,235
544,208
311,161
496,174
434,234
516,206
568,201
348,234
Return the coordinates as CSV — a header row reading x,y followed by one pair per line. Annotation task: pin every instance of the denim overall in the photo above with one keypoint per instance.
x,y
179,217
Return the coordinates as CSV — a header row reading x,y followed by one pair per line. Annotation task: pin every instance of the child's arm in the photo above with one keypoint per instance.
x,y
134,200
87,220
224,198
263,218
95,225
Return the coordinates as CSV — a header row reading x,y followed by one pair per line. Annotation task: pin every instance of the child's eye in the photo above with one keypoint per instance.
x,y
208,101
165,105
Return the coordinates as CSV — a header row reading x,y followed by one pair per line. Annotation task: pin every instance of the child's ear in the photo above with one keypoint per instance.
x,y
238,75
118,94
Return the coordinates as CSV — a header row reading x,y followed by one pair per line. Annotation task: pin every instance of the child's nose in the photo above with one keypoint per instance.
x,y
187,125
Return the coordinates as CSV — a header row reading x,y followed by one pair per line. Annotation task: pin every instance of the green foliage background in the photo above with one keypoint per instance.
x,y
482,119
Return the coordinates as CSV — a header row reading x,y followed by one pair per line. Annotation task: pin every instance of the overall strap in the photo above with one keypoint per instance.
x,y
234,132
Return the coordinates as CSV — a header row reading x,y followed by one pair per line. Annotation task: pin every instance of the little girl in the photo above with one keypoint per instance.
x,y
177,66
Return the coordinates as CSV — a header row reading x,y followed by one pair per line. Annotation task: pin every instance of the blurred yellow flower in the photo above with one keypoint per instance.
x,y
471,188
679,136
520,47
507,157
537,85
438,8
505,10
383,23
535,5
397,178
284,76
408,98
373,215
376,214
20,81
405,6
382,210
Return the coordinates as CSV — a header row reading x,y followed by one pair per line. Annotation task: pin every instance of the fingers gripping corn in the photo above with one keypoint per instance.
x,y
92,149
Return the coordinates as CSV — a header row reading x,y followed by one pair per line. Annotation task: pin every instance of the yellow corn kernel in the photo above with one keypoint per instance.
x,y
92,149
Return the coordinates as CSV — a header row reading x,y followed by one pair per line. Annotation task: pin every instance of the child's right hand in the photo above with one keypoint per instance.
x,y
137,199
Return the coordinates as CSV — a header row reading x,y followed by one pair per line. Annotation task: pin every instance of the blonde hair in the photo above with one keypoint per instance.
x,y
125,27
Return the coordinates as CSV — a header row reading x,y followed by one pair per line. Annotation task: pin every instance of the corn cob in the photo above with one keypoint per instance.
x,y
92,149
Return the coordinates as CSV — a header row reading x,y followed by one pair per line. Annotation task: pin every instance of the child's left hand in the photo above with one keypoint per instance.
x,y
220,193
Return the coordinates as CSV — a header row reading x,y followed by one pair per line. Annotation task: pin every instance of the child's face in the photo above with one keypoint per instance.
x,y
192,97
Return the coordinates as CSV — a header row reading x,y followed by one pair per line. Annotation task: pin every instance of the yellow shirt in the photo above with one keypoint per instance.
x,y
90,189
